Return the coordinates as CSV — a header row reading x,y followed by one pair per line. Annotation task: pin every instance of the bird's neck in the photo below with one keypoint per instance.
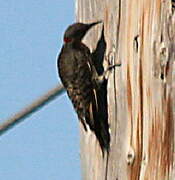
x,y
76,44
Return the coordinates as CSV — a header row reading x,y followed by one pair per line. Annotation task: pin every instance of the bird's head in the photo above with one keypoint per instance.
x,y
77,31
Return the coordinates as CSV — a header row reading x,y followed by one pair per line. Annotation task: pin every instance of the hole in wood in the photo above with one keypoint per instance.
x,y
136,43
130,156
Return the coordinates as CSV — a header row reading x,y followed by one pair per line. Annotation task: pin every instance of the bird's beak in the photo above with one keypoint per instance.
x,y
94,23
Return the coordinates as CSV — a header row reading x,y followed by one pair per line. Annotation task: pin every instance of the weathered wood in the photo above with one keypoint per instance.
x,y
141,35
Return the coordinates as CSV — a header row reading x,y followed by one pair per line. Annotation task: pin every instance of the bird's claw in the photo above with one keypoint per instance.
x,y
110,67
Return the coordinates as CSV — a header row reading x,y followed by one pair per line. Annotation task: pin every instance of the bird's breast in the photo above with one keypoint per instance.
x,y
73,67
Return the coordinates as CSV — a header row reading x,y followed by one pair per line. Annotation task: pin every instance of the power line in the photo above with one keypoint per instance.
x,y
33,107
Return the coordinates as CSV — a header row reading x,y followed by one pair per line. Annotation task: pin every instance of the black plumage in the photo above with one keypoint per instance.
x,y
79,76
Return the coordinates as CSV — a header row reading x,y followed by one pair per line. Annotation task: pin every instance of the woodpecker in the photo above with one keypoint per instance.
x,y
79,77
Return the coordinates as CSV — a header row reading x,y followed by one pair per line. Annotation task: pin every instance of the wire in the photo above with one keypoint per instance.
x,y
33,107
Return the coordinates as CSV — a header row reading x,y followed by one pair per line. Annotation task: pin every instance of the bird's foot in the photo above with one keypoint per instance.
x,y
106,73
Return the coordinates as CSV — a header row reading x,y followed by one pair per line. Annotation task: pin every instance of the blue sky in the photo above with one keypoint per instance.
x,y
46,145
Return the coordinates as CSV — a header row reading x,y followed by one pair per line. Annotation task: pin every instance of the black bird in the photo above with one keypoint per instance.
x,y
79,77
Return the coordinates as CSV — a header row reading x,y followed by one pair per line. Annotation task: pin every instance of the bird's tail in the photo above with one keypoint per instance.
x,y
97,118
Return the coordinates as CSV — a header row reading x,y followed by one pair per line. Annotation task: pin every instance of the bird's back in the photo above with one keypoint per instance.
x,y
75,70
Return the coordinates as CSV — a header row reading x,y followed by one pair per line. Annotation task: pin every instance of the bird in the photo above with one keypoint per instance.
x,y
79,76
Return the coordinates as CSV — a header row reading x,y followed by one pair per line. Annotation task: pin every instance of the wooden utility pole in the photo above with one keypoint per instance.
x,y
140,35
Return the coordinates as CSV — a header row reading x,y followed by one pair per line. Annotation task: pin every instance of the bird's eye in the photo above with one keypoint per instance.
x,y
67,40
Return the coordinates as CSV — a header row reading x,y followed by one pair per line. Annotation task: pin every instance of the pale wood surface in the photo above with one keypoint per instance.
x,y
141,93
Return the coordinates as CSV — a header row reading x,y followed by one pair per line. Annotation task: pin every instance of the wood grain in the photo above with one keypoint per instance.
x,y
140,35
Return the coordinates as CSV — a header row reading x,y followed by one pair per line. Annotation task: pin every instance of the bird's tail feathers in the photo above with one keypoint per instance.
x,y
98,122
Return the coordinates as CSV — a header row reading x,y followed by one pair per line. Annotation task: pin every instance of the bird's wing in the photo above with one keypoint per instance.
x,y
89,91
